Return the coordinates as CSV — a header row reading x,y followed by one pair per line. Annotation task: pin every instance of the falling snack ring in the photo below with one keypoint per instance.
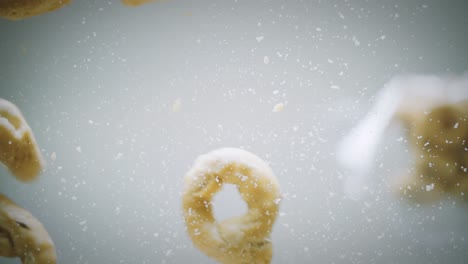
x,y
20,9
238,240
23,236
18,148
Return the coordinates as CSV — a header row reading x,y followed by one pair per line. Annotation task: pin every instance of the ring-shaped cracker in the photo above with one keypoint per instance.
x,y
19,151
23,236
242,239
20,9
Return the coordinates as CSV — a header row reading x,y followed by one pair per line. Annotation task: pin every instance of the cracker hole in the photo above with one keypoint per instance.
x,y
228,203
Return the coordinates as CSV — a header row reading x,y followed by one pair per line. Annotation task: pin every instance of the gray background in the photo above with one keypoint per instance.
x,y
100,77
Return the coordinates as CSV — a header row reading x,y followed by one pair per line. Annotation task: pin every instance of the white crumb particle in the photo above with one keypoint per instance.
x,y
176,105
278,107
118,156
430,187
356,41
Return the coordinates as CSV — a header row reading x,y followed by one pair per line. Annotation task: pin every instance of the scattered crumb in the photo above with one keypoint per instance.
x,y
176,105
430,187
278,107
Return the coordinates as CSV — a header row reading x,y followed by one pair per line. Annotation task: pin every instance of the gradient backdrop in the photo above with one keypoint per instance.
x,y
98,81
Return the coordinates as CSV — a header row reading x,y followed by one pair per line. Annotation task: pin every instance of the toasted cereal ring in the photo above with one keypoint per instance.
x,y
439,141
23,236
434,114
134,3
238,240
18,148
19,9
